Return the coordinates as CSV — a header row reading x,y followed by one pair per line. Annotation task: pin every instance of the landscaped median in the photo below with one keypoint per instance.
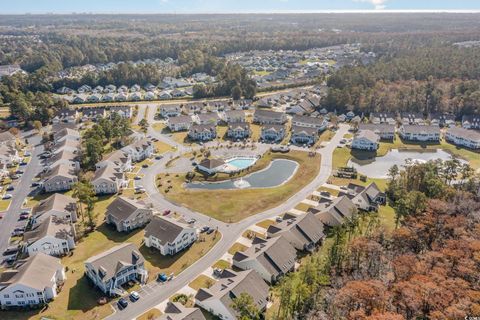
x,y
237,204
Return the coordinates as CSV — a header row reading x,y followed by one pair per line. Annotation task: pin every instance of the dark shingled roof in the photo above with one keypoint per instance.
x,y
166,230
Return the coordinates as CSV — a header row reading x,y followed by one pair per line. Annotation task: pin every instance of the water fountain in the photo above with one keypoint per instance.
x,y
241,184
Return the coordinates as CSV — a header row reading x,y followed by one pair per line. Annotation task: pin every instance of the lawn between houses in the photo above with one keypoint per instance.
x,y
78,299
235,205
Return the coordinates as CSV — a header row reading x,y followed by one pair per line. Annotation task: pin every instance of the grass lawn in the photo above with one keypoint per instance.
x,y
265,223
202,281
381,183
256,131
4,204
222,264
150,314
235,205
162,147
303,207
237,247
326,135
159,126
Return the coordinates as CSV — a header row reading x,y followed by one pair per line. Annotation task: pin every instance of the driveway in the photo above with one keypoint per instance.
x,y
230,232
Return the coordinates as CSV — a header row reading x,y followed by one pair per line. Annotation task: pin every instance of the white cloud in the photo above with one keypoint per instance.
x,y
377,4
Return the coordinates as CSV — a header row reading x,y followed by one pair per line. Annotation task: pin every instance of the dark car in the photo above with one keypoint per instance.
x,y
210,230
145,165
10,188
122,303
23,163
19,172
35,184
166,212
204,229
158,157
162,277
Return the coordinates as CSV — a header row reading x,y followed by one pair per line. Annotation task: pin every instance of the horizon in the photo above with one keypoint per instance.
x,y
21,7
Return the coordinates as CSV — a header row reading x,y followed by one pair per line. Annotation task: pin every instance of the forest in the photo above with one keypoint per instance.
x,y
427,268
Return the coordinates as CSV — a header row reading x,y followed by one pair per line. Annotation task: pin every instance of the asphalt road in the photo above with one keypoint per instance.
x,y
22,190
230,232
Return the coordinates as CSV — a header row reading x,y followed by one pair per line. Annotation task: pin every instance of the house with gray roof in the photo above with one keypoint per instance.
x,y
170,110
119,159
126,214
33,282
123,111
366,140
202,132
383,130
179,123
59,178
52,236
383,118
57,205
168,235
471,121
108,179
233,116
420,133
319,123
304,135
272,132
140,150
239,130
334,212
412,118
269,117
463,137
177,311
303,232
109,270
365,198
218,298
68,115
271,258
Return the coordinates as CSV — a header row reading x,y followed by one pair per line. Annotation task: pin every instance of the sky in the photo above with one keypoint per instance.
x,y
229,6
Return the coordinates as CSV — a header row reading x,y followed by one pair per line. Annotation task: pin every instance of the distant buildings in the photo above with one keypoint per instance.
x,y
420,133
463,137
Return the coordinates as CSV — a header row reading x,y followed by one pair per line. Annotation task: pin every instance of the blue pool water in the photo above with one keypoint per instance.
x,y
241,163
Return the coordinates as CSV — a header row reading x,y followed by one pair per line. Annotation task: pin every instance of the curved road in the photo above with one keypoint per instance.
x,y
230,232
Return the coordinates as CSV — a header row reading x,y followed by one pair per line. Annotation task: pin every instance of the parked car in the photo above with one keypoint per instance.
x,y
162,277
10,188
23,163
158,157
166,212
134,296
7,196
137,178
19,172
122,303
191,221
23,217
204,229
210,230
27,154
15,177
35,184
144,165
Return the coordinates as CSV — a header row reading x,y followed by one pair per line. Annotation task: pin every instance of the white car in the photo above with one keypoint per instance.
x,y
7,196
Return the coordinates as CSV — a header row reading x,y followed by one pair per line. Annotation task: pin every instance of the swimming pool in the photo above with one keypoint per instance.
x,y
241,163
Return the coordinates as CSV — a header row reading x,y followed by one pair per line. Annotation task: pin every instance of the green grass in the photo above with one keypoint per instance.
x,y
235,205
150,314
202,281
222,264
237,247
333,192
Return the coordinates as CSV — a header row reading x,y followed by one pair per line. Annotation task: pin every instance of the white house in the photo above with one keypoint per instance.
x,y
173,110
108,179
33,283
122,111
218,298
471,121
304,135
202,132
271,258
52,236
111,269
59,178
272,132
118,158
383,130
269,117
463,137
420,133
57,205
179,123
169,236
126,214
319,123
139,150
366,140
239,130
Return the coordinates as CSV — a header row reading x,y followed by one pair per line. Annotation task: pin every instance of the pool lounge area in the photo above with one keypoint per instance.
x,y
236,164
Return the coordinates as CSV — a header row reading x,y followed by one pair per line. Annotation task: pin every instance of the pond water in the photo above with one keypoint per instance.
x,y
378,167
278,172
